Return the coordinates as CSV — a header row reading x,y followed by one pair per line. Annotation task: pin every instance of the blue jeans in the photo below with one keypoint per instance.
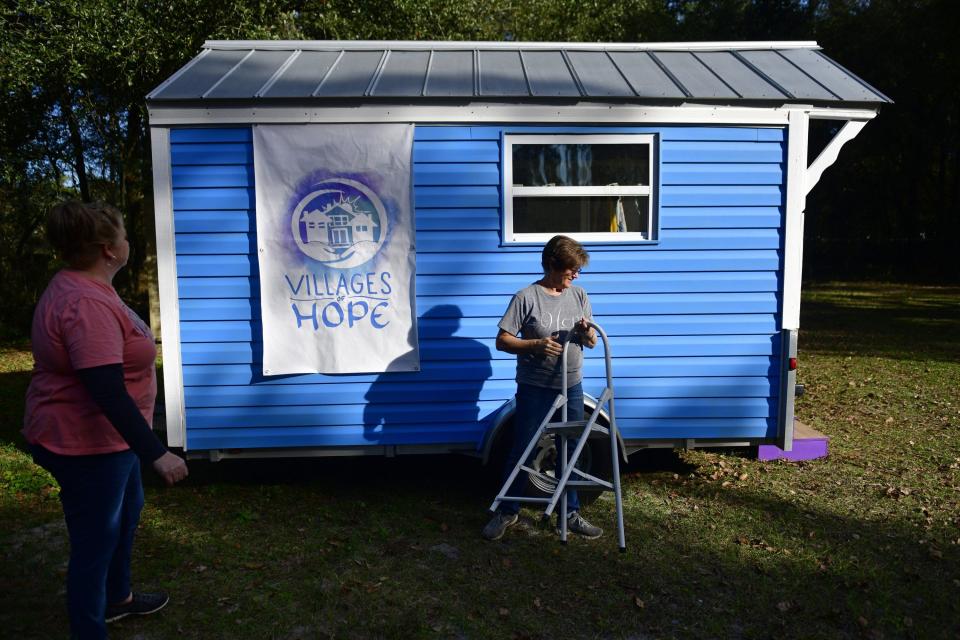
x,y
532,405
102,496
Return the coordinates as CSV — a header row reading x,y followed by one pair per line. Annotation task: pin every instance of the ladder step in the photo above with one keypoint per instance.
x,y
524,499
574,426
606,486
586,476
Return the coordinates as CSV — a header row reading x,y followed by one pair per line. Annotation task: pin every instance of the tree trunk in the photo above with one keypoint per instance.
x,y
76,145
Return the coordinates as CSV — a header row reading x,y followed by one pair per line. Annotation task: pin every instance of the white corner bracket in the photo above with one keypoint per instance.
x,y
828,156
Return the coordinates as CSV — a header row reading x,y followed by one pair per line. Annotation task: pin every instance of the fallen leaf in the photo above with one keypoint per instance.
x,y
784,606
504,611
640,604
537,604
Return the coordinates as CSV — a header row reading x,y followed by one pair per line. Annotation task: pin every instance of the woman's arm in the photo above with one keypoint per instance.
x,y
108,390
510,343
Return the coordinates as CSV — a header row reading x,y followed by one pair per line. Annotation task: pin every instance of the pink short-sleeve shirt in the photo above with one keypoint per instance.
x,y
81,323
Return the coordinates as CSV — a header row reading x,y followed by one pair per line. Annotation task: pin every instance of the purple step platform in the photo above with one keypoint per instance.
x,y
808,444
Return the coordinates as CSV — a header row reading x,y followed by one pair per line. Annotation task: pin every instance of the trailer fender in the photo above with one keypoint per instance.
x,y
502,417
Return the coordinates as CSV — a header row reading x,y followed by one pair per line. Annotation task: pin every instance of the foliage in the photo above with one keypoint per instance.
x,y
863,543
75,74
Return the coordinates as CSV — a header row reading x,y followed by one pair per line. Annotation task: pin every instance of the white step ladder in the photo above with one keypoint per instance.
x,y
581,431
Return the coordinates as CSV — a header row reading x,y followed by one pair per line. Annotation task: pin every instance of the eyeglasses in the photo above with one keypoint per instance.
x,y
574,272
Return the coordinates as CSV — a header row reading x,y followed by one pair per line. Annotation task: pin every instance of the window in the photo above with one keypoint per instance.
x,y
594,188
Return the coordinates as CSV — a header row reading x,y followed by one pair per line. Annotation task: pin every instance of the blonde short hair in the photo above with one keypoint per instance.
x,y
77,230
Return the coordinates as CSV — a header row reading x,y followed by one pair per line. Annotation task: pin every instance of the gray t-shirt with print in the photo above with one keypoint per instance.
x,y
533,314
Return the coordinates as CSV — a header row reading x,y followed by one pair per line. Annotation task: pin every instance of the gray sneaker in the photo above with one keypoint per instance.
x,y
499,524
578,525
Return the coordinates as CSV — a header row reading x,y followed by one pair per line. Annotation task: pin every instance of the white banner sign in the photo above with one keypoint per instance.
x,y
336,248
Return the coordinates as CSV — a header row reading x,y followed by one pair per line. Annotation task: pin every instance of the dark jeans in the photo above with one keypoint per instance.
x,y
532,405
102,496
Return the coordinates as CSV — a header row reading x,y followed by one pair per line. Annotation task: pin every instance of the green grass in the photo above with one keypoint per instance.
x,y
864,543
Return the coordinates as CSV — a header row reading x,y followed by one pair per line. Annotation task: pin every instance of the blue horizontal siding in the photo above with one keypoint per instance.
x,y
213,221
212,154
719,218
700,151
387,391
721,174
447,371
216,198
438,327
338,414
426,175
226,134
693,317
614,326
455,133
454,349
674,429
445,242
237,175
458,196
507,284
477,219
467,433
637,261
493,306
421,414
457,151
721,196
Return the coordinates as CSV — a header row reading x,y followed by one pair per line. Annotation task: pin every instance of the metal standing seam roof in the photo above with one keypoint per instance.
x,y
264,71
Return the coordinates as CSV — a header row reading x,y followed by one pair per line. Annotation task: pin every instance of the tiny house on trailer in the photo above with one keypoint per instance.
x,y
682,168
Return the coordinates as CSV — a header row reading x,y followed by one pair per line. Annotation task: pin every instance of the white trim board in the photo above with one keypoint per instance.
x,y
793,224
161,115
169,296
581,113
415,45
512,191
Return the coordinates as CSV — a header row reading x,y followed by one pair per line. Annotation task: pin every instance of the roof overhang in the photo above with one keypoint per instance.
x,y
328,73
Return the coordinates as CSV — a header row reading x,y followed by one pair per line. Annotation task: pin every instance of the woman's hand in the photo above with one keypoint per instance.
x,y
547,347
588,337
171,468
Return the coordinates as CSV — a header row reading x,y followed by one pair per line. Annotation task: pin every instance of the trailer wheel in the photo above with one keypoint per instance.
x,y
594,460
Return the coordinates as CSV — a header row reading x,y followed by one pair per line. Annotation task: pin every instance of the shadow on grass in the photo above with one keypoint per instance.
x,y
907,322
378,547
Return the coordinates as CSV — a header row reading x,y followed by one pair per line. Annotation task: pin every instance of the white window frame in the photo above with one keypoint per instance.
x,y
510,191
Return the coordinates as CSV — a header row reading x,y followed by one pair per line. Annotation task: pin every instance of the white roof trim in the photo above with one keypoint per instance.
x,y
583,113
415,45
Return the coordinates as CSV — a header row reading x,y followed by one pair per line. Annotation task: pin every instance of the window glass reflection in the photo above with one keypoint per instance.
x,y
581,165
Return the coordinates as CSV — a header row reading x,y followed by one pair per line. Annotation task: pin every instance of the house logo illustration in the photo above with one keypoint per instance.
x,y
341,224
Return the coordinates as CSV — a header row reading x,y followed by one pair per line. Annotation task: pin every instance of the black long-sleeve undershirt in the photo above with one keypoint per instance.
x,y
108,390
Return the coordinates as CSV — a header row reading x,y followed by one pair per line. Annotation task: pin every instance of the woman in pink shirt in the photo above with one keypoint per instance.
x,y
88,413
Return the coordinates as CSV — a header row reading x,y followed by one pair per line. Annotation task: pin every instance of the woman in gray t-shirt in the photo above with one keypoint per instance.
x,y
541,320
